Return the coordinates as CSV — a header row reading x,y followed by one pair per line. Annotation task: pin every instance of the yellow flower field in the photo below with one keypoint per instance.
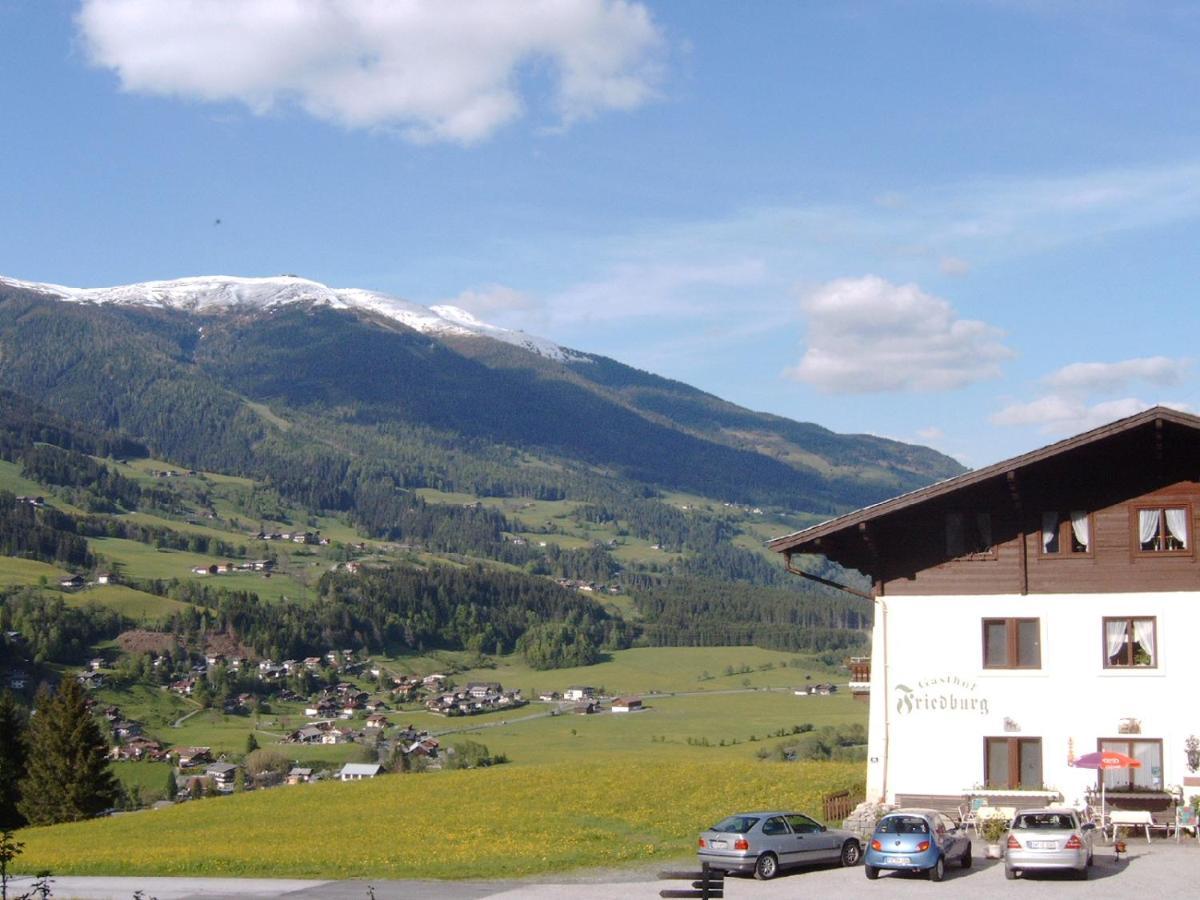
x,y
499,822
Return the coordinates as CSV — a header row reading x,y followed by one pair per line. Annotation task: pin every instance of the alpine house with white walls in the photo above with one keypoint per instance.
x,y
1031,612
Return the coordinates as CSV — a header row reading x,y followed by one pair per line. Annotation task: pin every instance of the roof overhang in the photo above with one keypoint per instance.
x,y
808,540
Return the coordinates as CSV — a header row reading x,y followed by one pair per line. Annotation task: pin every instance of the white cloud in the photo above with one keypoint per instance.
x,y
494,298
868,335
642,290
1056,414
930,434
952,265
437,70
1110,377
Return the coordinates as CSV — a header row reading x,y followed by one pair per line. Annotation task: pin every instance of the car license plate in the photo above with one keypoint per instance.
x,y
718,845
896,860
1043,845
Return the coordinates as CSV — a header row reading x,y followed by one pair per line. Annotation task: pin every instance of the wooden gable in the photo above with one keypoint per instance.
x,y
1149,461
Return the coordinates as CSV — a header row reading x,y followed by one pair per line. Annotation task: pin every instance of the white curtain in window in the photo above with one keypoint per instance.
x,y
1049,528
1148,524
1079,525
1114,637
1150,774
1177,525
1116,778
1143,633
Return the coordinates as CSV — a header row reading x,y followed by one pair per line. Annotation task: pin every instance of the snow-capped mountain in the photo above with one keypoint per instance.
x,y
214,294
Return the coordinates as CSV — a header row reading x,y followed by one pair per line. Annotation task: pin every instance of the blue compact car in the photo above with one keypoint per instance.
x,y
916,840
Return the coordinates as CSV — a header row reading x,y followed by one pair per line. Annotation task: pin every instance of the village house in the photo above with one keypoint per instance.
x,y
481,689
190,757
426,747
1030,612
359,771
325,707
309,734
579,693
338,736
297,775
137,748
627,704
222,774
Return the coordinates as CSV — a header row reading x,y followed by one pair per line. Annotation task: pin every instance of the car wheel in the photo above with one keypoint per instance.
x,y
871,872
938,870
966,857
1010,874
851,853
766,867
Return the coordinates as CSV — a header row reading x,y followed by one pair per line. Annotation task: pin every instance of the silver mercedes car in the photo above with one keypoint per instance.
x,y
766,842
1049,838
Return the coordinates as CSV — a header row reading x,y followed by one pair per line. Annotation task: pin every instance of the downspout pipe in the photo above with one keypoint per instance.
x,y
881,621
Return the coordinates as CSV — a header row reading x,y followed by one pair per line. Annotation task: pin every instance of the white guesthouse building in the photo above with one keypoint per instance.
x,y
1033,611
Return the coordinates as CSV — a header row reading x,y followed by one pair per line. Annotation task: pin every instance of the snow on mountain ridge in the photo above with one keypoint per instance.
x,y
214,293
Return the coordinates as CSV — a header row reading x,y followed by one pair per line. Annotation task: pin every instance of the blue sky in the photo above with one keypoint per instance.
x,y
971,225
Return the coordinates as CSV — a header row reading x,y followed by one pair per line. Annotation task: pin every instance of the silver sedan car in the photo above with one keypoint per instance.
x,y
1046,839
766,842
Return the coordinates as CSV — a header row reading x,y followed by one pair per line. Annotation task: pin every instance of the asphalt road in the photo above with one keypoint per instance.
x,y
1161,869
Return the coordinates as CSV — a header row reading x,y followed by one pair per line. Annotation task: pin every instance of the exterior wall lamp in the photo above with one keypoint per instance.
x,y
1192,747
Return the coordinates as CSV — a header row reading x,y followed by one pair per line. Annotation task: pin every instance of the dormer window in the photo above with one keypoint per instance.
x,y
1066,533
968,534
1163,529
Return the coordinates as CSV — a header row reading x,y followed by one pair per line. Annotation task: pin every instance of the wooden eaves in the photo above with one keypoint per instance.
x,y
808,539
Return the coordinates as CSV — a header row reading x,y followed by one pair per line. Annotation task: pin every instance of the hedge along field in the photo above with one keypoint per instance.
x,y
480,823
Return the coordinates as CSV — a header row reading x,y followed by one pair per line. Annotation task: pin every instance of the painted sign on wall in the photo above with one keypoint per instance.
x,y
940,694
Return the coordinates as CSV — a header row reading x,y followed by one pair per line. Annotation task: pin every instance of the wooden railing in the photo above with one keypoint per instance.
x,y
839,806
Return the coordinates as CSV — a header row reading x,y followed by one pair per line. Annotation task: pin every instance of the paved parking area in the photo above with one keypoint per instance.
x,y
1161,869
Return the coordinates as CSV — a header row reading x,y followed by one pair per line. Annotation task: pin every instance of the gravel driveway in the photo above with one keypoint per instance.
x,y
1161,869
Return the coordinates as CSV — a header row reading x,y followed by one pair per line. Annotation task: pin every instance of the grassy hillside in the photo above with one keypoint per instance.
x,y
467,824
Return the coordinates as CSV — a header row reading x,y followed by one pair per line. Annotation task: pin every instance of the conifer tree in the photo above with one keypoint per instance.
x,y
12,761
68,776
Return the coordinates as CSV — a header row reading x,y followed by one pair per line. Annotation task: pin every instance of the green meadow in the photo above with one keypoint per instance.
x,y
717,728
15,571
476,822
663,669
137,605
11,479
